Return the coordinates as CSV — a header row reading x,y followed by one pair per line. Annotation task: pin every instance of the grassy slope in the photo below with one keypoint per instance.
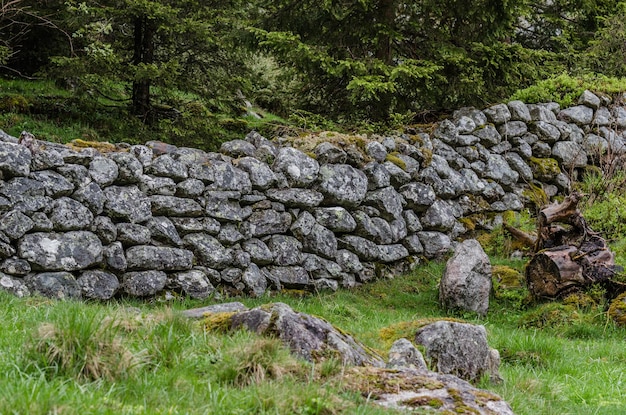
x,y
575,368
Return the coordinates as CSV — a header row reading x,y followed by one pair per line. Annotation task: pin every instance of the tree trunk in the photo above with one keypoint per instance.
x,y
143,53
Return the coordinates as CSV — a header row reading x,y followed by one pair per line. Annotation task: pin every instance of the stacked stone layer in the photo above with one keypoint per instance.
x,y
261,216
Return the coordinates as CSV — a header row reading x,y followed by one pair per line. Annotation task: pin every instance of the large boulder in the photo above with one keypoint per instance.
x,y
459,349
466,282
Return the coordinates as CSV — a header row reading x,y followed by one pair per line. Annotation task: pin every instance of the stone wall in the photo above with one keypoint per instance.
x,y
148,219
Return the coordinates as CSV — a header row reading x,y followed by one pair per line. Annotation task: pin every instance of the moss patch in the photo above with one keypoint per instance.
x,y
617,310
544,169
393,158
507,277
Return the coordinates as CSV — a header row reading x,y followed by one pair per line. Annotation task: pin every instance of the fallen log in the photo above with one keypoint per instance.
x,y
569,255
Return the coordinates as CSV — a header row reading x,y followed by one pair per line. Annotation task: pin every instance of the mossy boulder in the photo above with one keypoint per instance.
x,y
617,310
544,169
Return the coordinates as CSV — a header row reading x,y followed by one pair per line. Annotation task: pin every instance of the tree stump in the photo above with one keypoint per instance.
x,y
569,255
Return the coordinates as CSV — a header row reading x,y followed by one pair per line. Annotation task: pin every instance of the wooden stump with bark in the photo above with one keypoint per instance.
x,y
568,254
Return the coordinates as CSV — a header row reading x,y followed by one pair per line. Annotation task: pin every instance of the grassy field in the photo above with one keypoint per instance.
x,y
142,358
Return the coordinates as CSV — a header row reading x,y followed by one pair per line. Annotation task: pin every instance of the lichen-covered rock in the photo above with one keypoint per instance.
x,y
78,175
403,354
436,244
190,188
127,203
15,266
237,148
69,215
397,176
589,99
268,222
342,184
166,166
20,189
285,249
193,283
254,280
54,184
293,197
366,250
519,111
439,217
226,177
129,168
15,224
544,169
14,159
329,153
155,185
133,234
580,114
337,219
466,282
175,206
387,201
570,154
459,349
300,169
261,176
488,136
58,285
69,251
103,171
15,286
376,150
163,230
143,283
512,129
221,206
98,285
320,241
392,253
499,170
377,176
498,114
293,277
418,196
114,257
208,250
230,234
92,196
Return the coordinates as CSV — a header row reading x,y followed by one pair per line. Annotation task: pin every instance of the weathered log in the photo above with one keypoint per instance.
x,y
567,258
525,238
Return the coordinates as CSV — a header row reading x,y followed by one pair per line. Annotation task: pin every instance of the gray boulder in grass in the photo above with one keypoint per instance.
x,y
466,282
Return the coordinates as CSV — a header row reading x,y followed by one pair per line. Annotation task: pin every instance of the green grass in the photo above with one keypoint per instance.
x,y
64,357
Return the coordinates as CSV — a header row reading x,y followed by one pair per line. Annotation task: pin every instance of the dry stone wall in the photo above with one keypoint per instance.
x,y
263,215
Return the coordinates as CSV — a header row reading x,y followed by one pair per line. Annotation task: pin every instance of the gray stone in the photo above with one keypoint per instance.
x,y
418,196
69,251
254,280
589,99
547,132
438,217
520,166
261,176
294,197
45,160
512,129
142,153
155,185
459,349
260,254
329,153
403,354
268,222
195,225
103,171
202,312
569,154
56,285
229,234
286,250
519,111
191,188
542,150
147,257
193,283
69,215
163,230
464,124
397,176
477,116
392,253
348,261
143,283
15,266
413,245
337,219
129,168
15,286
237,148
376,150
488,136
320,241
133,234
602,117
97,285
78,175
466,282
436,244
14,159
226,177
55,184
300,169
499,170
20,189
15,224
447,132
619,113
127,203
294,277
208,250
387,201
220,206
580,115
366,250
114,257
104,228
342,184
412,221
325,284
498,114
175,206
466,140
92,196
